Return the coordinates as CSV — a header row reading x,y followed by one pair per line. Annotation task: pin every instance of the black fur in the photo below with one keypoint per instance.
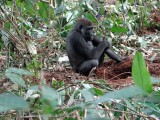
x,y
85,50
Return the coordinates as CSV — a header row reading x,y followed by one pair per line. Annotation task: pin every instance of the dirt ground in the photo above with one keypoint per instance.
x,y
117,75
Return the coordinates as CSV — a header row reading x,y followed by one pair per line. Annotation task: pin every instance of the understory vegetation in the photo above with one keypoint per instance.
x,y
33,48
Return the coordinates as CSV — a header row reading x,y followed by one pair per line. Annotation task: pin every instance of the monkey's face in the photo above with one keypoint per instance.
x,y
88,33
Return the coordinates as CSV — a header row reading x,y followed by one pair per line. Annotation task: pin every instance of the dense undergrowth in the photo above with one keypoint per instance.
x,y
32,41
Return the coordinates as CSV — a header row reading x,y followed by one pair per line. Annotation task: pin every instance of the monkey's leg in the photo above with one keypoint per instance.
x,y
113,55
87,66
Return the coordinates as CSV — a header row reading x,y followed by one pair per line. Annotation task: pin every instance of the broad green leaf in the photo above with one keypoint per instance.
x,y
151,106
10,102
131,92
154,97
118,29
140,73
15,75
87,95
60,9
30,6
49,94
45,10
18,71
15,78
129,104
91,17
96,91
30,3
131,1
58,2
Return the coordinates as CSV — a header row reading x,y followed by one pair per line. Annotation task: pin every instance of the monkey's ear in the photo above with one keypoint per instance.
x,y
80,27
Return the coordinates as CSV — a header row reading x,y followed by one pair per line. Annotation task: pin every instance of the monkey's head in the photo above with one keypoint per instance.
x,y
85,27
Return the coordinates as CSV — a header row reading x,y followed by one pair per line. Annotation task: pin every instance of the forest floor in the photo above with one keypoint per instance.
x,y
119,75
116,75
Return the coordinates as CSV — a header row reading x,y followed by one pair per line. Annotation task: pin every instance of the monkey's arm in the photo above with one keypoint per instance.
x,y
113,55
96,40
81,47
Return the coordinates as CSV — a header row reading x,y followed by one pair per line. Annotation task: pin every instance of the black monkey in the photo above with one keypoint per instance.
x,y
85,50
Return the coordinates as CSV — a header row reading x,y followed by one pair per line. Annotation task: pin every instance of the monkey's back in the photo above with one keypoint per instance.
x,y
75,58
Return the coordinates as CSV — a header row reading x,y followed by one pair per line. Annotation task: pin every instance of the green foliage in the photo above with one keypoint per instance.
x,y
50,98
58,2
45,10
52,101
11,101
140,73
31,21
60,9
118,29
96,91
34,66
131,92
91,17
15,75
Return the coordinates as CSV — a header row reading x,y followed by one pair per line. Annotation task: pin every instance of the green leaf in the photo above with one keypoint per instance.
x,y
91,17
18,71
154,97
45,10
151,106
48,94
122,1
15,75
60,9
58,2
51,95
7,25
10,102
118,29
131,92
30,3
96,91
140,74
15,78
30,6
87,95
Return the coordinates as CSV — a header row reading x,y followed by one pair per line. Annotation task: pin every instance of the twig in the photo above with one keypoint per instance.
x,y
119,75
16,29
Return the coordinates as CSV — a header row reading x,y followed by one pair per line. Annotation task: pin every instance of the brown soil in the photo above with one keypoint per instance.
x,y
117,75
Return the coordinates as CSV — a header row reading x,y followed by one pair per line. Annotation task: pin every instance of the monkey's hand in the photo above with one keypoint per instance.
x,y
113,55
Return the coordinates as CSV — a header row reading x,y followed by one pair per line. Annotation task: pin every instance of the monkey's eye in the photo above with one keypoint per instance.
x,y
90,28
